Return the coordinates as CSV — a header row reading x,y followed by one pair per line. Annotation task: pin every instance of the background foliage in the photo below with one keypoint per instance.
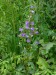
x,y
41,59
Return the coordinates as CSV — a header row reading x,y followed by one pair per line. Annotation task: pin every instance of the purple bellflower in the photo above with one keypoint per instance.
x,y
27,23
21,29
32,28
36,32
32,23
28,40
23,34
27,27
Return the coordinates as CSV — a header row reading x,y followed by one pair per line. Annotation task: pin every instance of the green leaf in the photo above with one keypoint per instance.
x,y
49,45
42,63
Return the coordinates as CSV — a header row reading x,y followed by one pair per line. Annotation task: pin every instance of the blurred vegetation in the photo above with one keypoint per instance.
x,y
14,60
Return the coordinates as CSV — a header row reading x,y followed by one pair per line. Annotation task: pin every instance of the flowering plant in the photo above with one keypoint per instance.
x,y
29,32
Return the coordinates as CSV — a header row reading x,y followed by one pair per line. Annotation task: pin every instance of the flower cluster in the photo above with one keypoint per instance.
x,y
29,31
